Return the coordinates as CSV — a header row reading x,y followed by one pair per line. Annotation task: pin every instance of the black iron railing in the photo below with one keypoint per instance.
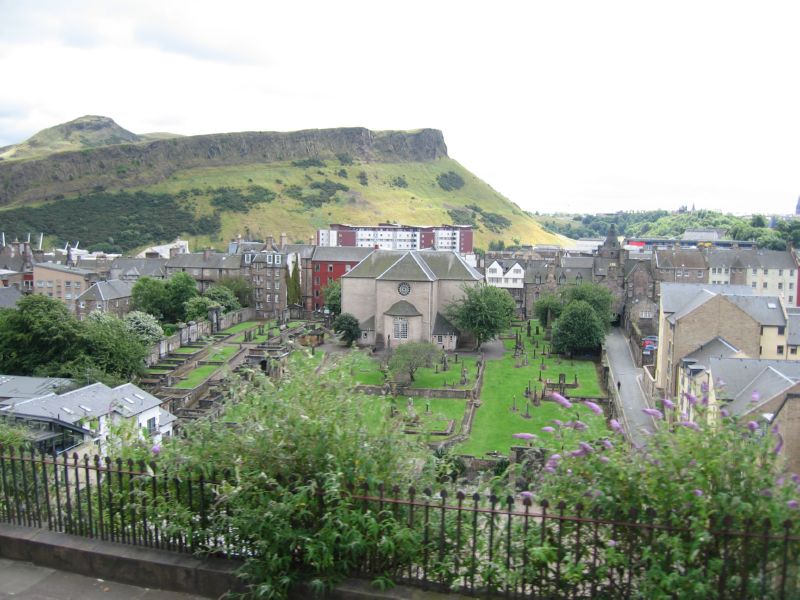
x,y
477,544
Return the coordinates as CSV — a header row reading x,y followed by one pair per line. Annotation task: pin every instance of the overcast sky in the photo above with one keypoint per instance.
x,y
560,105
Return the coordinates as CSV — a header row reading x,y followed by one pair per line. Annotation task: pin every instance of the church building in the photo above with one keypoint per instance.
x,y
401,296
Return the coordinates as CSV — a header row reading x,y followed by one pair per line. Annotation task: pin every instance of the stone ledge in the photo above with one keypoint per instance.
x,y
160,569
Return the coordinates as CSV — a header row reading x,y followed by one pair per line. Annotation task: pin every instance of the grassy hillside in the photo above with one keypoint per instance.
x,y
383,198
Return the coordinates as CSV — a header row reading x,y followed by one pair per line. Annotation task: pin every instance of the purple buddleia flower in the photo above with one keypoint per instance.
x,y
752,425
755,397
668,404
766,493
653,412
779,444
690,425
549,469
607,443
526,494
704,387
780,480
796,478
692,399
684,415
698,493
156,449
593,407
724,412
558,422
580,426
561,400
775,428
586,447
548,429
612,543
555,457
603,459
704,401
616,426
578,453
524,436
793,504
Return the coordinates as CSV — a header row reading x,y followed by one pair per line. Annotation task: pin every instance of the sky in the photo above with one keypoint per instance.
x,y
570,106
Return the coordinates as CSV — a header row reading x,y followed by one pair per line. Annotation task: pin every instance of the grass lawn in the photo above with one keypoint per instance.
x,y
494,421
293,324
442,410
157,371
187,350
366,371
257,339
242,326
223,354
197,376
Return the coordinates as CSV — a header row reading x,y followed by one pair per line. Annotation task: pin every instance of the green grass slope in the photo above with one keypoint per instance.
x,y
383,199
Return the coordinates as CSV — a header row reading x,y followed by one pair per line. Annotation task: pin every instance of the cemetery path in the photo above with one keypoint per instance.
x,y
631,397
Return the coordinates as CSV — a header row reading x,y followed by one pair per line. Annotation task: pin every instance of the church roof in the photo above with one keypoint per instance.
x,y
402,308
441,326
412,265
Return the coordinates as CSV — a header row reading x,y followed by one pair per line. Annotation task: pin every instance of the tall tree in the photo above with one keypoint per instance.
x,y
180,288
293,293
240,287
333,297
578,329
598,297
149,295
196,309
144,326
483,310
409,357
346,325
224,297
547,309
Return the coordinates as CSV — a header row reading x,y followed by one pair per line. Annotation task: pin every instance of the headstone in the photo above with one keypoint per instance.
x,y
514,403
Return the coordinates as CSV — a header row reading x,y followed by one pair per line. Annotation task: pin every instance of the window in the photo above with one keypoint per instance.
x,y
781,330
753,284
82,304
780,285
699,274
316,293
268,298
779,350
316,280
277,259
793,350
646,314
791,285
765,285
330,268
755,271
726,270
791,299
316,268
151,425
780,272
400,328
347,268
277,285
439,339
766,271
330,279
269,259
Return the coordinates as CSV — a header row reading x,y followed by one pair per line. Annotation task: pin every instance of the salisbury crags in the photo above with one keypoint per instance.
x,y
135,164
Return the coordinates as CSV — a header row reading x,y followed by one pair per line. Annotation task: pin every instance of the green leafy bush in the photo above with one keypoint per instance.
x,y
450,181
362,178
399,181
308,162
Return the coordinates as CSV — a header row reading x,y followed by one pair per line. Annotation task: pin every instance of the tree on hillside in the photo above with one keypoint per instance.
x,y
224,297
578,329
240,287
346,325
294,294
333,297
547,309
180,288
150,296
111,347
599,298
484,310
409,357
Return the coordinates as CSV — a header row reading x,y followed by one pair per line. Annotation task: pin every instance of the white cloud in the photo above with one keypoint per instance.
x,y
580,105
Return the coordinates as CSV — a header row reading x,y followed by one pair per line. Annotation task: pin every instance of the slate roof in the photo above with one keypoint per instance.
x,y
64,269
341,253
12,263
89,401
302,250
748,258
793,328
714,348
675,296
368,325
139,267
19,387
578,262
113,289
197,260
733,375
766,310
412,265
9,297
441,326
771,382
676,259
403,308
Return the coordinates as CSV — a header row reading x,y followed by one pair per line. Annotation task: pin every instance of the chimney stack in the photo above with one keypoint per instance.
x,y
206,254
283,240
270,242
173,252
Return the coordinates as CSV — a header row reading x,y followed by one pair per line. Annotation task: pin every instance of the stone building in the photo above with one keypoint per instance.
x,y
61,282
206,268
401,297
112,297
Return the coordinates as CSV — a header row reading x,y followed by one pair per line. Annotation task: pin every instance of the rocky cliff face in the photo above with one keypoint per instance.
x,y
129,165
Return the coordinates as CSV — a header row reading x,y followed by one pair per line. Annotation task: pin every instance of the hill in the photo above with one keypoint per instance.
x,y
214,187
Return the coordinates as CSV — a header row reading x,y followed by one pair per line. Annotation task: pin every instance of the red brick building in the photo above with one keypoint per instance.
x,y
328,264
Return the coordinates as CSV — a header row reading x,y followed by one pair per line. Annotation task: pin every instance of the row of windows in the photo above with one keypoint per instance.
x,y
347,268
316,280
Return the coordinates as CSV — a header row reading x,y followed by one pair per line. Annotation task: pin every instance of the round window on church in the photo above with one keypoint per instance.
x,y
404,289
